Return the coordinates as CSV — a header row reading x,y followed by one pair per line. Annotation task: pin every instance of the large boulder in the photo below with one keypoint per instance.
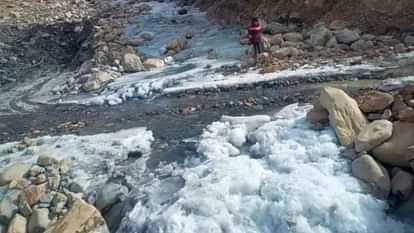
x,y
402,183
13,172
372,172
177,44
110,194
315,116
17,224
374,101
132,63
373,135
347,36
7,210
81,217
39,220
344,114
396,150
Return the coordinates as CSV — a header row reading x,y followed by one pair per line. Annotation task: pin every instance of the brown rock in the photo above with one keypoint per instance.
x,y
374,101
396,151
398,105
406,114
33,193
81,217
17,224
373,135
315,116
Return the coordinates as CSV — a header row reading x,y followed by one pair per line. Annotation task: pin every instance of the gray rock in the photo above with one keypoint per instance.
x,y
275,28
362,45
46,160
110,194
54,182
77,186
406,209
402,183
7,210
40,179
114,216
319,36
372,172
409,40
24,208
39,220
97,80
13,172
332,43
286,52
65,165
293,37
3,228
60,200
36,170
347,36
147,36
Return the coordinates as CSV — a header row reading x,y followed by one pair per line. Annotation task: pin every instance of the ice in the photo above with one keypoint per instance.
x,y
299,185
94,156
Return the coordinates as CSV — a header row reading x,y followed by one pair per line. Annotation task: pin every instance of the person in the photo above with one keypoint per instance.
x,y
255,37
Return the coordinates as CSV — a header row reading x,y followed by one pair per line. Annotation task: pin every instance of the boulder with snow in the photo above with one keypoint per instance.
x,y
347,36
132,63
372,172
402,183
374,134
344,114
374,101
396,150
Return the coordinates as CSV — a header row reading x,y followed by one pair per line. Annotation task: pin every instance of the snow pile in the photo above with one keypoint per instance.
x,y
94,156
300,184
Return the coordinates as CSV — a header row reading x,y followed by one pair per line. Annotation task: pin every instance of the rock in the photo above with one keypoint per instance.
x,y
182,11
177,44
344,114
315,116
406,114
332,43
13,172
409,40
338,25
36,170
398,105
59,201
373,135
410,103
402,183
40,179
375,101
347,36
275,28
17,224
135,41
97,81
153,63
19,184
114,216
46,160
24,208
7,210
276,40
33,193
78,186
362,45
54,182
350,153
132,63
39,220
286,52
293,37
396,151
405,209
319,36
387,40
81,217
370,171
387,115
147,36
65,165
110,194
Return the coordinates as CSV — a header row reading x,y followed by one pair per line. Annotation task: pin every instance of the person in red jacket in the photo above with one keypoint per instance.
x,y
255,35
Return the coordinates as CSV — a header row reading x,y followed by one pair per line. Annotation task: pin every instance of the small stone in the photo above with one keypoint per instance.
x,y
36,170
132,63
39,220
347,36
17,225
40,179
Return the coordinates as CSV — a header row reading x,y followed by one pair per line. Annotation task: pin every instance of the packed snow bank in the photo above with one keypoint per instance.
x,y
299,184
94,157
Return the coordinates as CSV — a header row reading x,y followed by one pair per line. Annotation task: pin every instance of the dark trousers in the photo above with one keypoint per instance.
x,y
257,48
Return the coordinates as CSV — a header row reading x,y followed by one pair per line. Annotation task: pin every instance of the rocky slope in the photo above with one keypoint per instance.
x,y
370,15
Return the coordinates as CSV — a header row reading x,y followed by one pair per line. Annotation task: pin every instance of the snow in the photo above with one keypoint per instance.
x,y
93,156
299,184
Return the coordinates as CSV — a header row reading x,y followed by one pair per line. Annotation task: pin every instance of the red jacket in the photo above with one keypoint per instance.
x,y
255,31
